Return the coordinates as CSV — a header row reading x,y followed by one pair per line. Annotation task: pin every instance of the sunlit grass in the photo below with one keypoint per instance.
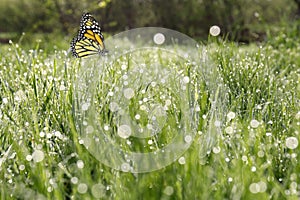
x,y
253,158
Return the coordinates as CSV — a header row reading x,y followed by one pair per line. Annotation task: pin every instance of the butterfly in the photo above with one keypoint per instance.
x,y
89,40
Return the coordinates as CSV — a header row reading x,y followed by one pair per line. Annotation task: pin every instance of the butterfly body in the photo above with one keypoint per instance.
x,y
89,40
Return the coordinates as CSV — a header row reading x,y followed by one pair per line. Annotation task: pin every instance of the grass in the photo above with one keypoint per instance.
x,y
41,150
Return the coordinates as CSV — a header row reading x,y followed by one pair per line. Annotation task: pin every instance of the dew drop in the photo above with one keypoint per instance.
x,y
188,139
82,188
89,129
106,127
216,150
254,188
217,123
110,93
81,141
149,126
85,106
125,76
215,30
49,135
168,102
98,190
28,157
186,79
128,93
254,123
42,134
181,160
125,167
4,100
124,131
260,154
153,84
21,167
293,185
262,186
38,156
49,189
80,164
58,134
62,88
231,115
159,38
268,134
123,67
87,141
169,190
291,142
229,130
74,180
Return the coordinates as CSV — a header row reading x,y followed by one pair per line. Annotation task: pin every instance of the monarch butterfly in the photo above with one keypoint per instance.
x,y
89,40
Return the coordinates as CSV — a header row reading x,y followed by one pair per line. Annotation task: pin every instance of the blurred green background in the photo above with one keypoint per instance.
x,y
240,20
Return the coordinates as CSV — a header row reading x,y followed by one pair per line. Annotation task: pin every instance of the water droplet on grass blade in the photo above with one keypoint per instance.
x,y
217,123
38,156
231,115
159,38
21,167
82,188
74,180
216,150
128,93
254,123
80,164
169,190
186,79
106,127
291,142
124,131
85,106
98,190
181,160
188,138
125,167
28,157
214,30
254,188
229,130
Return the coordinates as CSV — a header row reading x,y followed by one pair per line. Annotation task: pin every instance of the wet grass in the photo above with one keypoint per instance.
x,y
255,156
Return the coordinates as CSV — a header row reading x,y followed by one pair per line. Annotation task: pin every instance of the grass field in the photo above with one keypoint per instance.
x,y
254,156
